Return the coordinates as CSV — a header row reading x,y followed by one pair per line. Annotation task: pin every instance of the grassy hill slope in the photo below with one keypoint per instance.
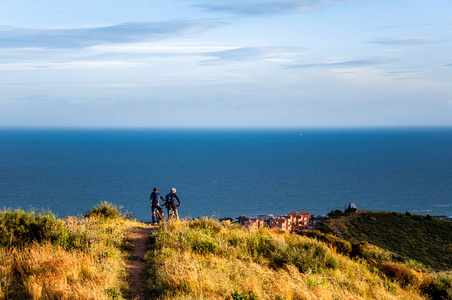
x,y
205,259
43,257
422,238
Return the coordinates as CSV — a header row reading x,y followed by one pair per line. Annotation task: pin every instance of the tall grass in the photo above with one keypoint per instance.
x,y
439,285
204,259
20,227
44,271
43,257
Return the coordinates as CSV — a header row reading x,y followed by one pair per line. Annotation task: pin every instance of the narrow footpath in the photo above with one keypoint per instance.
x,y
136,265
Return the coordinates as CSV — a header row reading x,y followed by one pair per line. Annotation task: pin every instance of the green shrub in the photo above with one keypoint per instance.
x,y
335,242
377,255
322,227
209,224
305,255
243,296
417,266
113,293
260,244
439,286
19,227
359,248
205,245
335,214
106,210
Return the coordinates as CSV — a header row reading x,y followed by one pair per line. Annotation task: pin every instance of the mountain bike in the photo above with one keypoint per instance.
x,y
157,211
171,214
159,215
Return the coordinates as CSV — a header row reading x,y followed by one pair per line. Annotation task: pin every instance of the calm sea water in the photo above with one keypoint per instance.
x,y
228,173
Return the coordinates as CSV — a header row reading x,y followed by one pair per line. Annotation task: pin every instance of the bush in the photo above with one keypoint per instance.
x,y
205,245
378,255
19,227
439,286
399,273
243,296
260,244
335,214
209,224
322,227
305,255
106,210
341,246
359,248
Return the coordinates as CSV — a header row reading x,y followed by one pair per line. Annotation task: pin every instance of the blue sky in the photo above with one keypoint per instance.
x,y
247,63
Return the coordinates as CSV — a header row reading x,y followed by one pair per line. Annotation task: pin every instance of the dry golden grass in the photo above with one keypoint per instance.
x,y
51,273
229,268
80,258
84,258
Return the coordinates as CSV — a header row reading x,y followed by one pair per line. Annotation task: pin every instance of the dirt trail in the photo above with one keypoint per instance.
x,y
136,266
342,219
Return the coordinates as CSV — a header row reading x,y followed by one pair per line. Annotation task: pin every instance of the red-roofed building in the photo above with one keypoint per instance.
x,y
254,222
294,221
280,222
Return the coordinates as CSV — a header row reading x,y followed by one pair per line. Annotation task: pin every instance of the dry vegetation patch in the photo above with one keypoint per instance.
x,y
204,259
43,257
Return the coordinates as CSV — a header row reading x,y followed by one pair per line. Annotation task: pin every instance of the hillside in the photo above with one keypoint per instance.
x,y
206,259
422,238
85,257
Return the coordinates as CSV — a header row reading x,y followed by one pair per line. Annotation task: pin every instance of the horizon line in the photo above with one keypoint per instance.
x,y
221,128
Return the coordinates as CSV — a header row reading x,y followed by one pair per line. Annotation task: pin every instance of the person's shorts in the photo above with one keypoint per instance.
x,y
154,207
172,205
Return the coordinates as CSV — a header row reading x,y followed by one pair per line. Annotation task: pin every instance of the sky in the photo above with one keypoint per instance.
x,y
226,63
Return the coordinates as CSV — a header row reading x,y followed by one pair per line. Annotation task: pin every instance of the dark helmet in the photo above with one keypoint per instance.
x,y
155,189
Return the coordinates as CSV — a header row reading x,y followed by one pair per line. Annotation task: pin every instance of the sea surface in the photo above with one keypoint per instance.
x,y
228,173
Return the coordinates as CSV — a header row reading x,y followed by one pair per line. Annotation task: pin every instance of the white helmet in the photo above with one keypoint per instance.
x,y
173,190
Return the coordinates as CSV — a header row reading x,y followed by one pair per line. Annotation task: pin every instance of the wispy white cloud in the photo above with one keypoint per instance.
x,y
266,7
417,25
369,62
69,65
176,49
406,41
138,55
145,51
253,53
224,54
12,37
399,73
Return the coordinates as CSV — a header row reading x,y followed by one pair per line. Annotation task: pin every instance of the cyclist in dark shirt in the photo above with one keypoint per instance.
x,y
155,197
171,204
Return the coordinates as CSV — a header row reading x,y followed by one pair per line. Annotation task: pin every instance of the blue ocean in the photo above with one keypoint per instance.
x,y
228,173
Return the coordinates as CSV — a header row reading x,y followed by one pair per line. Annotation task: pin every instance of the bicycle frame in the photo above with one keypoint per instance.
x,y
159,215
